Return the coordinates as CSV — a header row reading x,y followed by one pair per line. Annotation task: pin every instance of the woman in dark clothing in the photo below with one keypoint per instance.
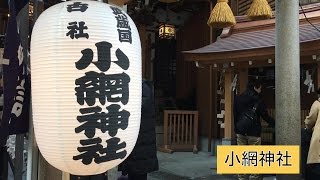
x,y
143,159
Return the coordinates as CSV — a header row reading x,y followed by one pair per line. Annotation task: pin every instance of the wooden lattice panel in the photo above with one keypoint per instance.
x,y
180,130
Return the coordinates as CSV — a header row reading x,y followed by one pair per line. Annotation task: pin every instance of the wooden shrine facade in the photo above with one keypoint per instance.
x,y
251,44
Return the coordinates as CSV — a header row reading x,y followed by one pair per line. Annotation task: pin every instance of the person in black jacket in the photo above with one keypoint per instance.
x,y
143,159
248,99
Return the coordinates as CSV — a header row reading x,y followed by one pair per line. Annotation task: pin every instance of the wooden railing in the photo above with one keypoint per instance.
x,y
180,131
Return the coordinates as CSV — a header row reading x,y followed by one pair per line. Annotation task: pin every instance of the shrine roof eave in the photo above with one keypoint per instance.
x,y
257,54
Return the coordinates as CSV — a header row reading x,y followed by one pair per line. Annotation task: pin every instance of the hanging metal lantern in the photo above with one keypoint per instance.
x,y
167,31
86,86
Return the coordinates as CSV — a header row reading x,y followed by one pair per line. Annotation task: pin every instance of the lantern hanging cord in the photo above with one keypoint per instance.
x,y
308,18
167,13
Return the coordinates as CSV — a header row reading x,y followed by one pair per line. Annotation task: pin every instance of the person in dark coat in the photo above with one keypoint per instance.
x,y
143,159
247,100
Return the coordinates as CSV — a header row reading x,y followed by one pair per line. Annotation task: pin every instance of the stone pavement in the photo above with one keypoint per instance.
x,y
160,175
189,166
186,165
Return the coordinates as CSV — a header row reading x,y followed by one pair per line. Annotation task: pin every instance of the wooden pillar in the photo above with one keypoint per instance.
x,y
143,38
228,98
213,123
210,111
243,76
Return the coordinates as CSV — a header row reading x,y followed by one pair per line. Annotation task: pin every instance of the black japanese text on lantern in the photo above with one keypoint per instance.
x,y
96,87
124,30
76,29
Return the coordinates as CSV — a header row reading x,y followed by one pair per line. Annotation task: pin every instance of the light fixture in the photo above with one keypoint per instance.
x,y
314,57
269,61
250,63
215,65
167,31
232,64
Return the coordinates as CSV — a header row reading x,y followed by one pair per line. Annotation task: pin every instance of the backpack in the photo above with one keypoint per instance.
x,y
247,120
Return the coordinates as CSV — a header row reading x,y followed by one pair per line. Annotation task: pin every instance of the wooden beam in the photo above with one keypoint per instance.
x,y
306,59
243,76
228,98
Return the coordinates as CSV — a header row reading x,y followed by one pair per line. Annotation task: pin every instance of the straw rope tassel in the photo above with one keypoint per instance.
x,y
221,15
260,9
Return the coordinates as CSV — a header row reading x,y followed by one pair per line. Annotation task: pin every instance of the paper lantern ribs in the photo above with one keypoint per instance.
x,y
86,86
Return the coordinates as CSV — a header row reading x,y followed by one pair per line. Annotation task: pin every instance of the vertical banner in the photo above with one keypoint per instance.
x,y
16,80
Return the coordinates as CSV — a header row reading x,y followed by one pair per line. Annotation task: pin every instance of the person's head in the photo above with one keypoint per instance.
x,y
255,84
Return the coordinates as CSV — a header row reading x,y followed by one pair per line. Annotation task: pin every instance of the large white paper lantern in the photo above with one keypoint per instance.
x,y
86,86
